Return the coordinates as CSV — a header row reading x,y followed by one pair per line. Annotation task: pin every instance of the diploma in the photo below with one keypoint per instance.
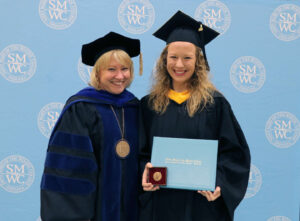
x,y
191,163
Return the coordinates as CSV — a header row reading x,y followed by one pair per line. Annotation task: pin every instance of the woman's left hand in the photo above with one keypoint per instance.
x,y
211,196
148,186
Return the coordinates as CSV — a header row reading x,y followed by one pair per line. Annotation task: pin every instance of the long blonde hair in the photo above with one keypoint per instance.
x,y
121,56
199,85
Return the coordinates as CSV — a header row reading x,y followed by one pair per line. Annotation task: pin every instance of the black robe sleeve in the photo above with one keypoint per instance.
x,y
69,182
233,157
144,154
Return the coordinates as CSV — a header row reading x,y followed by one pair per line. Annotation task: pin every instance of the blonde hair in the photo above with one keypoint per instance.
x,y
199,85
103,61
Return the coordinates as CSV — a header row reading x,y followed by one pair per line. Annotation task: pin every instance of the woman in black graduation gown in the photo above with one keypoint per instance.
x,y
183,103
91,164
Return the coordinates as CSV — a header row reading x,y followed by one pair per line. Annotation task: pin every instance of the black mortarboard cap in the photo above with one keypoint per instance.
x,y
92,51
181,27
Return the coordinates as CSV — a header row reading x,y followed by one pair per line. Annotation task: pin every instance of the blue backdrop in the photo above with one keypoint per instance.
x,y
254,62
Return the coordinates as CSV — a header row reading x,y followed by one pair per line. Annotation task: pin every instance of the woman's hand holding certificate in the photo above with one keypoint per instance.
x,y
148,186
211,196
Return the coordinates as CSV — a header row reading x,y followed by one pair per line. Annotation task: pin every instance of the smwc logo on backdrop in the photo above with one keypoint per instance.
x,y
278,218
282,129
16,174
17,63
247,74
48,116
58,14
136,16
214,14
285,22
254,183
84,71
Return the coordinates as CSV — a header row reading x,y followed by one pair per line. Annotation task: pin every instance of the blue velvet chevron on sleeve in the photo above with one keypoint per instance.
x,y
66,161
72,141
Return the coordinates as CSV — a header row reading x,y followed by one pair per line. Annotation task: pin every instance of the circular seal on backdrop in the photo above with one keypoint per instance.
x,y
17,63
16,174
58,14
214,14
278,218
254,183
48,116
282,129
136,16
247,74
84,71
285,22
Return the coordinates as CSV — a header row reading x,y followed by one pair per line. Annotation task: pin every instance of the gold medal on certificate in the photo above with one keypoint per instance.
x,y
157,176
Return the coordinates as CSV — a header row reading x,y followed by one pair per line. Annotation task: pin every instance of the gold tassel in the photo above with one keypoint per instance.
x,y
200,28
141,64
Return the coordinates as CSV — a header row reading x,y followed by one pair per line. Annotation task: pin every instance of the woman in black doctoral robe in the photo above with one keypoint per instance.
x,y
183,103
91,164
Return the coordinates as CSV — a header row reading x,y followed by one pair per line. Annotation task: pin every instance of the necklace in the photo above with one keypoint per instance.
x,y
122,147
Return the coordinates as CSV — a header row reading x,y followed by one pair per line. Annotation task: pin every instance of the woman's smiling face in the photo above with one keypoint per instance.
x,y
181,60
115,77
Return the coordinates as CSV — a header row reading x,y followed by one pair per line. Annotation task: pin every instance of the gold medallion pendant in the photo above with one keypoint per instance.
x,y
157,176
122,148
